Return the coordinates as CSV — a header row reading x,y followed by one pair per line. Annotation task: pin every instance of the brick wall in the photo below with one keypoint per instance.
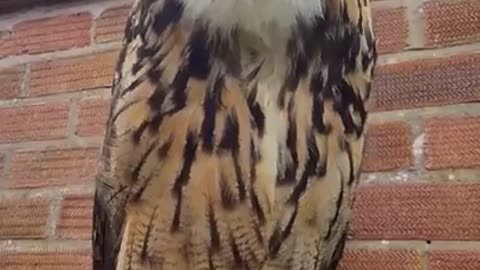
x,y
419,200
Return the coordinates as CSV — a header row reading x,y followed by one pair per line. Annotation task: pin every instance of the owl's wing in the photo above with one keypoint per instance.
x,y
324,98
176,156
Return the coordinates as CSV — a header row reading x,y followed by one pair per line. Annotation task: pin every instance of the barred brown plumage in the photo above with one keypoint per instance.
x,y
235,135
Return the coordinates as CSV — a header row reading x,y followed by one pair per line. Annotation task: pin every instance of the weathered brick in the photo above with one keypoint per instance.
x,y
72,74
388,146
427,82
93,116
453,259
451,22
417,211
66,258
53,167
47,35
11,80
452,143
23,218
371,259
76,217
390,26
110,25
34,122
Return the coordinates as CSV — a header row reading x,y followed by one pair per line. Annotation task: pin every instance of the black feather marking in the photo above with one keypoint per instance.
x,y
172,11
317,117
235,252
155,101
210,106
227,196
338,206
214,233
242,193
163,150
138,168
352,178
229,140
279,235
189,155
256,111
291,169
338,253
176,216
257,208
138,194
137,134
143,253
310,169
123,109
199,55
133,85
179,86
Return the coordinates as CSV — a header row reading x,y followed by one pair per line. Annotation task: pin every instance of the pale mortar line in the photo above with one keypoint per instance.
x,y
80,142
13,60
94,7
428,53
44,245
64,96
48,191
441,111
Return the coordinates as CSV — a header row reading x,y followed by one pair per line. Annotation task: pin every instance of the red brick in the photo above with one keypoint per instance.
x,y
453,259
452,143
47,35
93,116
72,74
23,218
110,25
53,167
417,211
427,82
76,217
451,22
369,259
390,29
388,146
46,260
11,79
34,122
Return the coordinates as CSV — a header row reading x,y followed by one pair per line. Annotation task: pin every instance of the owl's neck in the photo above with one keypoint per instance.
x,y
257,17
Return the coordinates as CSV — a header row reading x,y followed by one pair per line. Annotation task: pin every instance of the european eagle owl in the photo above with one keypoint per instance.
x,y
235,135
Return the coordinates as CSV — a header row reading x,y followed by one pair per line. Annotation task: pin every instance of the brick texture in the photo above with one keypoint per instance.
x,y
454,259
387,147
23,218
33,123
427,82
111,24
54,167
452,143
47,35
391,29
46,260
11,79
76,217
417,211
93,116
365,259
451,22
72,74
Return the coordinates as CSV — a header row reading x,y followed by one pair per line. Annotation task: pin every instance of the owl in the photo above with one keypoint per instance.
x,y
235,135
